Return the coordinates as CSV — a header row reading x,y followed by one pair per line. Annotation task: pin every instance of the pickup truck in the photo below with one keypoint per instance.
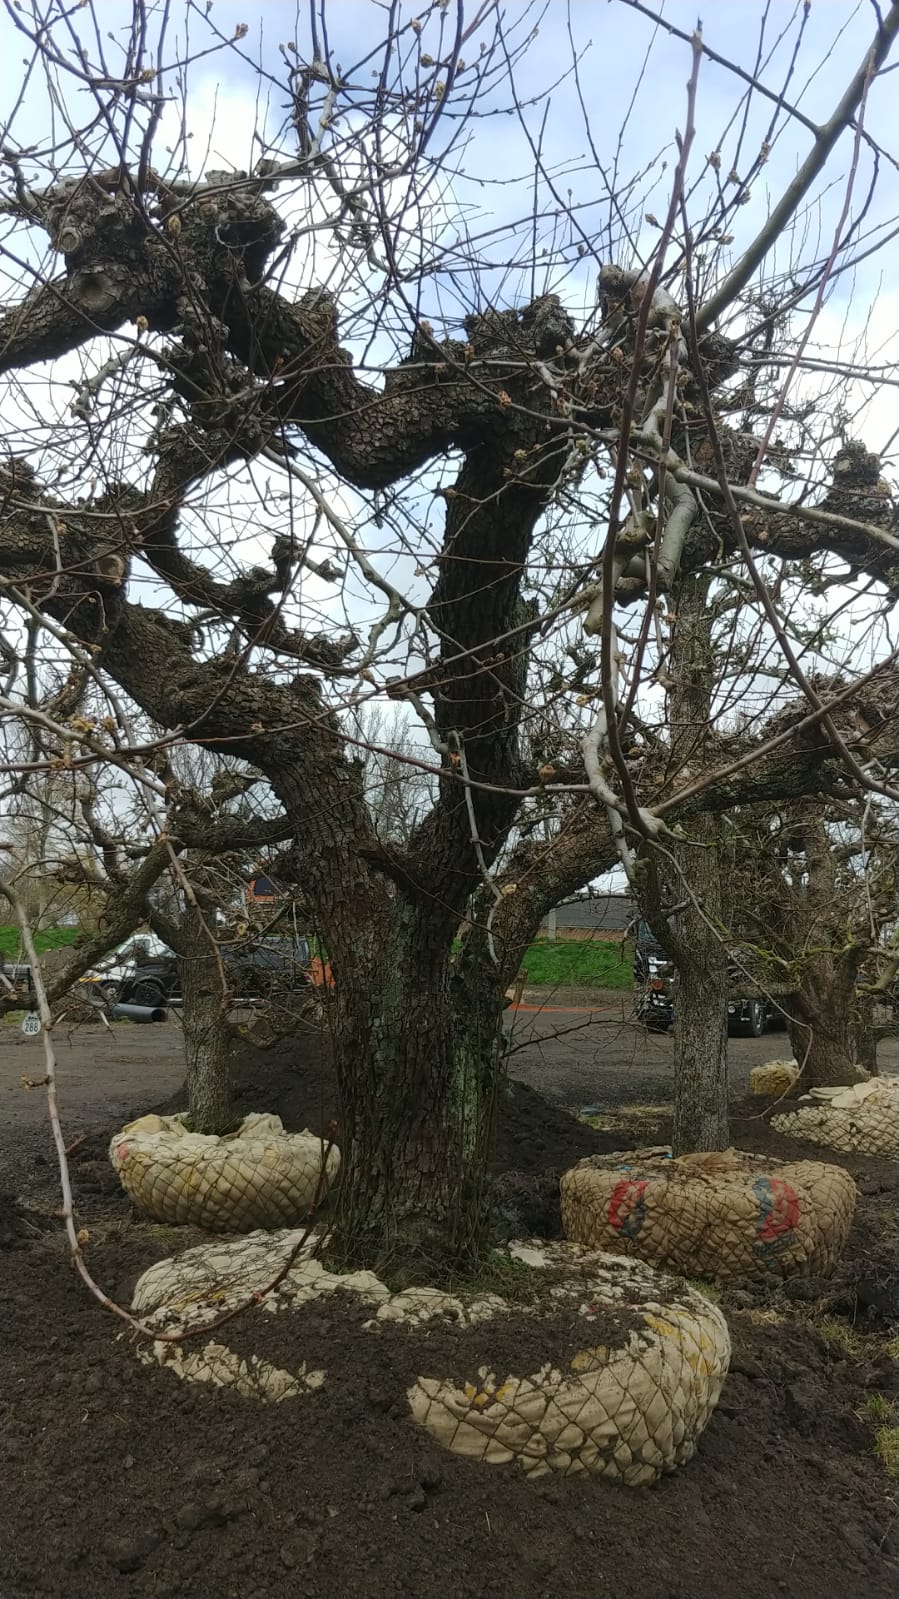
x,y
254,970
654,992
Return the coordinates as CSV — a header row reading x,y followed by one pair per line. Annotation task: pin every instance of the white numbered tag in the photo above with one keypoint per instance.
x,y
31,1025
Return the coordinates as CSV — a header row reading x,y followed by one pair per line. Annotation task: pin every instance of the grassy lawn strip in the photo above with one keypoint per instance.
x,y
560,963
53,938
579,963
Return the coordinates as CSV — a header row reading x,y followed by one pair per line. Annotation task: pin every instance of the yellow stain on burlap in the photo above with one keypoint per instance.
x,y
628,1413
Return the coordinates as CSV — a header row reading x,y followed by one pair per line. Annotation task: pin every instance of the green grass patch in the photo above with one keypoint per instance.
x,y
886,1448
877,1407
841,1336
579,963
52,938
625,1118
497,1272
493,1272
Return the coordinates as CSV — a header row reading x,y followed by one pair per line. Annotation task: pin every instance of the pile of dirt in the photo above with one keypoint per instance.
x,y
394,1356
534,1136
158,1489
295,1080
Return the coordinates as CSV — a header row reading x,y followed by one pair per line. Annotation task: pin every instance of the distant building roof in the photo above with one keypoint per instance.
x,y
605,913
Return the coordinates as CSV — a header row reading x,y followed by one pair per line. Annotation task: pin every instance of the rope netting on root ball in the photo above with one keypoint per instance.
x,y
257,1176
863,1119
725,1215
610,1368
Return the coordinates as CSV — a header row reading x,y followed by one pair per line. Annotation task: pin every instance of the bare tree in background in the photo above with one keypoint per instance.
x,y
335,437
398,791
823,905
187,882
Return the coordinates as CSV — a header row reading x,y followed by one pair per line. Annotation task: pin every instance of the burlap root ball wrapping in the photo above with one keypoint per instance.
x,y
860,1120
726,1216
258,1176
628,1412
776,1079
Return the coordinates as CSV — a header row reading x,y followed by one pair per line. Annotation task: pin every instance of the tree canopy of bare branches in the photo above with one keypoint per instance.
x,y
293,435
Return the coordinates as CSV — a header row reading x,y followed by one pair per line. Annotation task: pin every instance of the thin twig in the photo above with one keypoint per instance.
x,y
795,193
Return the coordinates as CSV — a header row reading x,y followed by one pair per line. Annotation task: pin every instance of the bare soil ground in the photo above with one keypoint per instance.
x,y
129,1483
577,1047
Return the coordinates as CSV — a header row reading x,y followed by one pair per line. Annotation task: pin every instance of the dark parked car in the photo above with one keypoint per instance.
x,y
254,971
654,986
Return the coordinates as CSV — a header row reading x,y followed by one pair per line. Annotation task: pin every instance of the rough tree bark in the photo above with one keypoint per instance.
x,y
418,1050
821,1033
208,1038
693,935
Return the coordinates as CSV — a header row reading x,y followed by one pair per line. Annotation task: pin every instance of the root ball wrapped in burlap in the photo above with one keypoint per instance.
x,y
863,1119
630,1378
258,1176
724,1216
627,1405
775,1079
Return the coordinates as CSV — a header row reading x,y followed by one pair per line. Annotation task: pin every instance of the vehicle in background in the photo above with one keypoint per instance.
x,y
654,992
144,972
254,969
16,986
107,977
653,982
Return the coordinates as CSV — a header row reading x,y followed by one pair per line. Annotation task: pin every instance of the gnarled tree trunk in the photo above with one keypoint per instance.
x,y
418,1048
821,1027
207,1033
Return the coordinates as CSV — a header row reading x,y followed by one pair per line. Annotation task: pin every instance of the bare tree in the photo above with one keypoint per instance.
x,y
187,882
334,439
398,791
823,901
